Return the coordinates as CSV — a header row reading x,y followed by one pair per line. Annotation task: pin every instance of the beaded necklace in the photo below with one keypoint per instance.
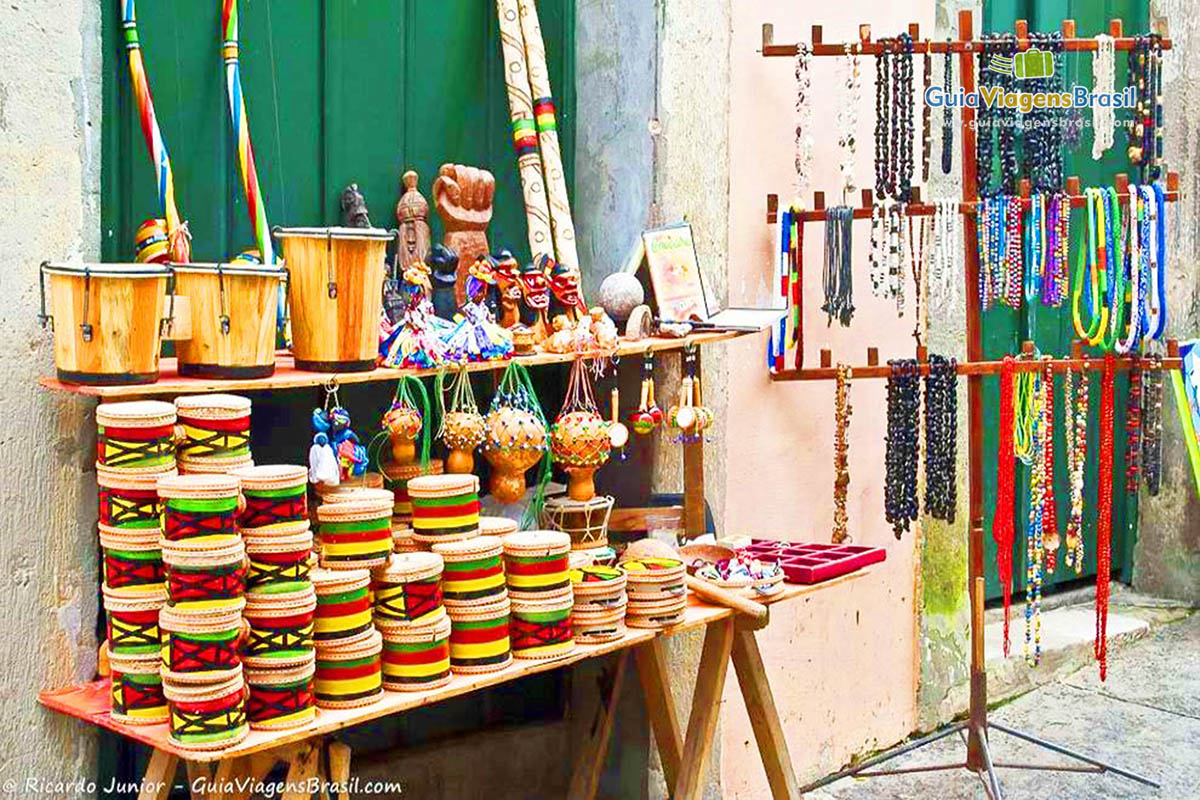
x,y
926,112
1026,409
1103,78
1058,225
900,458
1104,514
947,113
1156,291
848,120
1090,264
1152,422
1134,268
941,434
837,278
947,252
1035,532
1006,119
984,121
804,137
1035,249
1076,410
884,181
916,257
1002,518
1013,260
1043,137
1114,235
1050,539
902,132
841,447
1133,427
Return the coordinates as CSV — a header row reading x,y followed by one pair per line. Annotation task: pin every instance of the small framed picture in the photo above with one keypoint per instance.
x,y
675,272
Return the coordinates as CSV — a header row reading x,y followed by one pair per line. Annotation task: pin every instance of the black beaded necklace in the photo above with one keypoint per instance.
x,y
1006,118
838,278
941,437
1042,143
904,129
926,112
903,407
947,113
1152,425
883,180
984,122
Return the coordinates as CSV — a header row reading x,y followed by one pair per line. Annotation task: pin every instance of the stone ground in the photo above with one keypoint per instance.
x,y
1144,718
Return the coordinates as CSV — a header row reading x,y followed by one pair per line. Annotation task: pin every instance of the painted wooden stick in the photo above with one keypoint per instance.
x,y
547,127
723,597
520,104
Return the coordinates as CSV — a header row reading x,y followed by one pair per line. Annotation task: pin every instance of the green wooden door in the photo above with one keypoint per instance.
x,y
1051,329
338,91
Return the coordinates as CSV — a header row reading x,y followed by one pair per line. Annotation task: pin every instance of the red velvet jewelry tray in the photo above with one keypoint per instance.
x,y
813,562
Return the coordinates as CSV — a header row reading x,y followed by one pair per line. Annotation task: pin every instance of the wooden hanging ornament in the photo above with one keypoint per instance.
x,y
516,437
463,427
690,416
618,434
580,438
648,415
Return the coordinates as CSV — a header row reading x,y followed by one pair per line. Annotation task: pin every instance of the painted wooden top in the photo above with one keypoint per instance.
x,y
90,701
286,375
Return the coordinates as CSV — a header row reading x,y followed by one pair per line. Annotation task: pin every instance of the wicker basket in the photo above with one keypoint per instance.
x,y
536,562
444,507
279,556
473,572
132,623
129,500
542,628
343,604
202,573
275,497
279,628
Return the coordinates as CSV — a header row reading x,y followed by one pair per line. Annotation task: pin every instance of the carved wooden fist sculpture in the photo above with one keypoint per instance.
x,y
463,196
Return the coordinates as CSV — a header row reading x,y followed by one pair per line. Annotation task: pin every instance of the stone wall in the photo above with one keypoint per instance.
x,y
49,189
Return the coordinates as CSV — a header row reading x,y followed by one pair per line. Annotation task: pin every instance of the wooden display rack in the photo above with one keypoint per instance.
x,y
976,727
729,637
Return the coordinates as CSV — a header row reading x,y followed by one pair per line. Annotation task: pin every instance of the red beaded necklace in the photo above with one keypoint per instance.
x,y
1002,520
1104,514
1049,510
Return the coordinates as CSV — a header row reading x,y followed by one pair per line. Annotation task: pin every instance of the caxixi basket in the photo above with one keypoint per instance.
x,y
214,432
204,574
343,604
479,636
280,559
207,716
200,645
199,506
135,437
445,507
136,690
356,533
349,673
416,658
279,627
132,623
275,497
473,571
542,628
281,698
408,590
536,563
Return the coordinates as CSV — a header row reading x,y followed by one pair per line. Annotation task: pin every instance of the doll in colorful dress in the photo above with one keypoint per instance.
x,y
477,337
418,341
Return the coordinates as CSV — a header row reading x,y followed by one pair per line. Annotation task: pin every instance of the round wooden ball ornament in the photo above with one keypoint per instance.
x,y
516,435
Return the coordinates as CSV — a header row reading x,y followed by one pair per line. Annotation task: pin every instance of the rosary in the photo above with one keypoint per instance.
x,y
900,459
841,447
837,278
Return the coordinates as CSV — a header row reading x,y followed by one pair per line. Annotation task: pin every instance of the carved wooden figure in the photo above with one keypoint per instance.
x,y
412,219
463,197
536,294
508,278
564,283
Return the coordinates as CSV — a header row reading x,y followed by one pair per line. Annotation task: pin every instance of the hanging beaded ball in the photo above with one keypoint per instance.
x,y
515,441
463,430
151,244
403,424
580,439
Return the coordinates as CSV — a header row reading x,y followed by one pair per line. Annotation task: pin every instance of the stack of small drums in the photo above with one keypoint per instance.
x,y
395,480
476,599
355,529
135,447
412,620
201,624
214,433
657,590
599,611
348,667
539,587
278,653
445,508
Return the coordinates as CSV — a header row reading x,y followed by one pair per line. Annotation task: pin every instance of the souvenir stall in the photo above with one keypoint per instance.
x,y
252,610
1023,236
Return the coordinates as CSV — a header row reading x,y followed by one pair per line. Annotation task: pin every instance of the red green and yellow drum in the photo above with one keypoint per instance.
x,y
395,480
132,561
135,437
445,507
416,658
474,570
129,500
408,590
204,575
356,533
200,506
349,674
207,716
200,645
537,563
343,604
279,627
479,637
281,698
132,623
280,558
276,497
136,691
214,432
542,628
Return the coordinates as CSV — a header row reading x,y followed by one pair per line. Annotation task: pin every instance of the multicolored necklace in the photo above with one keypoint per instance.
x,y
1075,407
841,449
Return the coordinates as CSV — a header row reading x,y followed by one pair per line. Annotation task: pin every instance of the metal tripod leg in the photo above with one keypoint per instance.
x,y
899,751
992,785
1056,748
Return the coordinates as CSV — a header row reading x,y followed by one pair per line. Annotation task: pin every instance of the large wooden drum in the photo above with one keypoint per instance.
x,y
107,320
335,288
233,314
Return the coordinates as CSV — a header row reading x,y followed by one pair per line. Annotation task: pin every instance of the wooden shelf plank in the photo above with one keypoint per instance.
x,y
90,701
286,376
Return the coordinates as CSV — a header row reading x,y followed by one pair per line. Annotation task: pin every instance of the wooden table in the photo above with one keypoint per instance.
x,y
683,754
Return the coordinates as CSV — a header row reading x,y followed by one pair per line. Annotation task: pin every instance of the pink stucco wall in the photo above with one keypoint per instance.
x,y
842,663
